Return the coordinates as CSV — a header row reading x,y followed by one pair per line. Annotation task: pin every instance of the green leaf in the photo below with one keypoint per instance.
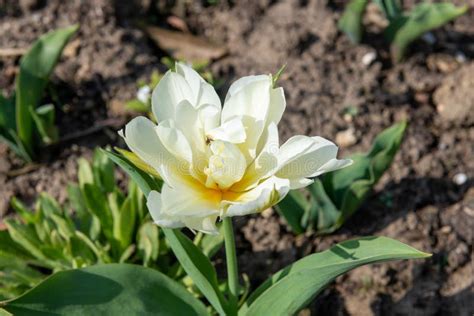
x,y
7,113
211,244
292,288
351,20
138,106
277,76
293,207
103,170
343,191
43,117
148,243
198,267
138,162
391,8
127,222
143,180
98,204
114,289
84,173
35,68
424,17
323,213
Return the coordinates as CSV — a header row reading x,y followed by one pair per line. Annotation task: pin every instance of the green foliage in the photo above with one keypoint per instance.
x,y
142,103
404,27
351,21
99,225
287,291
111,289
292,288
22,120
338,195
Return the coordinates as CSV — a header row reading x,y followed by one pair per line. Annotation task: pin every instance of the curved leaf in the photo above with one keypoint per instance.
x,y
351,21
35,68
424,17
198,267
113,289
292,288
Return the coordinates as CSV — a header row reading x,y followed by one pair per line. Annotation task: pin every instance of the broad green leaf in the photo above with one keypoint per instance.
x,y
23,212
113,289
43,117
293,207
198,267
424,17
35,68
351,20
143,180
292,288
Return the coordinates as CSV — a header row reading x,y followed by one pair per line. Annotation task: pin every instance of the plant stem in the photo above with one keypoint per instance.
x,y
231,259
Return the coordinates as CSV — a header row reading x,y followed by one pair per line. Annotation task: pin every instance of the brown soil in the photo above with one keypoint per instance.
x,y
418,201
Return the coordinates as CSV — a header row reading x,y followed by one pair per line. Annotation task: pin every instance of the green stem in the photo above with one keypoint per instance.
x,y
231,259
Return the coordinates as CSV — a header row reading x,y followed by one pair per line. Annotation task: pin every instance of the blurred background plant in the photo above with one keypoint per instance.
x,y
99,224
325,205
403,27
142,103
25,124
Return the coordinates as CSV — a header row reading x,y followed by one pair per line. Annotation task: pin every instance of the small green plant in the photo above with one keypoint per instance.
x,y
142,103
336,196
404,27
99,225
25,125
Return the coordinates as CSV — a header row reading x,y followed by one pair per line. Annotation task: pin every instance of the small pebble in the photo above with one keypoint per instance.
x,y
460,57
460,178
369,58
429,38
346,138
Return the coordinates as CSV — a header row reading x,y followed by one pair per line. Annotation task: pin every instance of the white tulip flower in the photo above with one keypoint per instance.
x,y
222,161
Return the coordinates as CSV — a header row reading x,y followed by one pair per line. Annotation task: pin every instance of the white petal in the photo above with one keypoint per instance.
x,y
300,183
303,156
170,91
248,97
141,137
206,225
154,207
256,200
264,165
277,105
226,165
174,141
203,92
232,131
189,198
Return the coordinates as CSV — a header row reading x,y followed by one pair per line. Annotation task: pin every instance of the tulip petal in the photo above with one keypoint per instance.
x,y
141,137
306,157
232,131
277,105
265,195
154,205
264,165
174,141
203,92
170,91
